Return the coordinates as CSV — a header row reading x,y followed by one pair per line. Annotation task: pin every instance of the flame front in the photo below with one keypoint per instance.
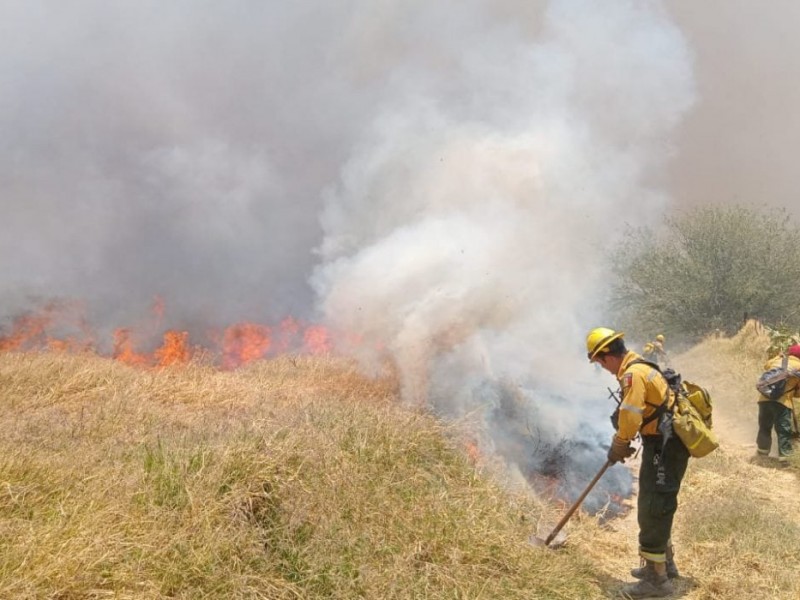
x,y
234,346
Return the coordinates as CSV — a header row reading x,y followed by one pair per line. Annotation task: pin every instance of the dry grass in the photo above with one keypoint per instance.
x,y
298,478
740,520
739,530
291,479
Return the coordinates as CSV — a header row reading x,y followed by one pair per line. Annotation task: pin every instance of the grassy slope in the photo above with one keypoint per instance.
x,y
300,479
293,479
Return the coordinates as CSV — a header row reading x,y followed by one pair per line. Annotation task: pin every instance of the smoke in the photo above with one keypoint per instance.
x,y
468,232
440,179
738,143
176,149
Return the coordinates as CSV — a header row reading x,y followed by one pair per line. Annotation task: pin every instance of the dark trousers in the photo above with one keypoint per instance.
x,y
660,479
771,415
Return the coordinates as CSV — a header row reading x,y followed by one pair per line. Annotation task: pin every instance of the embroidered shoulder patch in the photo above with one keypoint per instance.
x,y
627,380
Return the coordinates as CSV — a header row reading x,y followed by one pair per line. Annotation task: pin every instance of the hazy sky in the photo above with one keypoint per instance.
x,y
740,141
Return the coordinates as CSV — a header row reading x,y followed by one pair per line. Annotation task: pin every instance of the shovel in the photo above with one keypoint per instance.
x,y
554,535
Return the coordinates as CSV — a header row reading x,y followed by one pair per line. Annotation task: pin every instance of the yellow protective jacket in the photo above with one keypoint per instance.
x,y
643,390
792,389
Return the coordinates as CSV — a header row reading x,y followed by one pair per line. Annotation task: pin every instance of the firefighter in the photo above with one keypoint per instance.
x,y
645,404
778,413
660,352
654,351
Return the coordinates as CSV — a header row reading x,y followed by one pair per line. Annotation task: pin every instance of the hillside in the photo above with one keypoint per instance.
x,y
289,479
298,478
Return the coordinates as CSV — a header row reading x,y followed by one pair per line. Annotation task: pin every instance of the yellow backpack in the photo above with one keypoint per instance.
x,y
691,413
692,420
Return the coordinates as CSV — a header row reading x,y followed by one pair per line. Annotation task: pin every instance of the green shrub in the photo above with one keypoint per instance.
x,y
708,270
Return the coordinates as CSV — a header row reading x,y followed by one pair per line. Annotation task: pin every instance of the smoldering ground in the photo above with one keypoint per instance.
x,y
439,180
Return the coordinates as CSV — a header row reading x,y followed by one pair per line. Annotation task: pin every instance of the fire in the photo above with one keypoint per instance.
x,y
124,349
243,343
473,453
174,350
317,340
25,330
34,330
236,345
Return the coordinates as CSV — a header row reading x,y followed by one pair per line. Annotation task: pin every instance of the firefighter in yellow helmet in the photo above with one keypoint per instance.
x,y
654,351
645,404
660,351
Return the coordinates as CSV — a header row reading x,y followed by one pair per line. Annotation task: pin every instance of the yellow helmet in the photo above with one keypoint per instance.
x,y
598,340
659,338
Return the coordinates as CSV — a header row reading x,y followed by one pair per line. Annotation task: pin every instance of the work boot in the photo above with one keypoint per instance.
x,y
672,568
651,584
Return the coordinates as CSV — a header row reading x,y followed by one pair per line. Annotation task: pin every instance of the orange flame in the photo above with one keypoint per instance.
x,y
24,330
123,349
317,339
62,327
174,350
473,453
30,331
243,343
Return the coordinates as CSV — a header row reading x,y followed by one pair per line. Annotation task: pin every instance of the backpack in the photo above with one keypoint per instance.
x,y
692,420
772,383
691,412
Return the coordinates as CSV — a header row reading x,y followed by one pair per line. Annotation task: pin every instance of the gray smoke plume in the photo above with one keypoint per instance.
x,y
441,180
739,142
468,231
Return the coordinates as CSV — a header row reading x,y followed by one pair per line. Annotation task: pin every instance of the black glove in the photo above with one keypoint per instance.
x,y
619,451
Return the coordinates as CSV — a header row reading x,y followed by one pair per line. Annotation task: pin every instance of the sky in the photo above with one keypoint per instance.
x,y
440,181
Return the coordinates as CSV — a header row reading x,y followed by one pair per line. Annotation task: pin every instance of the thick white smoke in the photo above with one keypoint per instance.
x,y
469,231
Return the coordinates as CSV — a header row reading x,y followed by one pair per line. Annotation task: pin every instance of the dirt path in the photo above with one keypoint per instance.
x,y
775,485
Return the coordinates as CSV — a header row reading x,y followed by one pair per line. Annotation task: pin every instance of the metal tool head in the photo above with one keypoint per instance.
x,y
543,532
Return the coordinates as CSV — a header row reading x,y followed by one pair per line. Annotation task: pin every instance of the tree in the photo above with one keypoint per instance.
x,y
709,269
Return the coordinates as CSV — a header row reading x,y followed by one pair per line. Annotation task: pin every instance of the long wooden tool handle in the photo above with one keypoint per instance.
x,y
575,506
